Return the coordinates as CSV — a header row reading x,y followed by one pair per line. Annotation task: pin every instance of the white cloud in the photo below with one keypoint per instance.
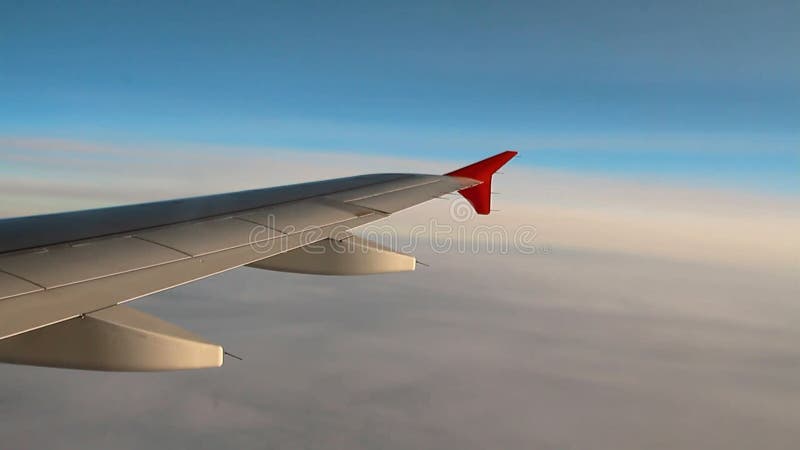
x,y
568,350
568,210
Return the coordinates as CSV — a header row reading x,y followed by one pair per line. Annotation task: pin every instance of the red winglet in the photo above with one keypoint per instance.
x,y
480,196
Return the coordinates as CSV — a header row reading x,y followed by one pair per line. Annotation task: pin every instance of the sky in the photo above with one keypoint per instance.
x,y
658,172
701,92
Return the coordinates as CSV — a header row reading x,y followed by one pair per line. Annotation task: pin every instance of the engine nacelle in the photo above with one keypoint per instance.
x,y
113,339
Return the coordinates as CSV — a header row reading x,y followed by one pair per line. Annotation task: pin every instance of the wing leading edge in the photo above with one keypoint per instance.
x,y
64,274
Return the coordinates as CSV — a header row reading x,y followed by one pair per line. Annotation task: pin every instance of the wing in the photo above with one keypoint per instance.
x,y
64,277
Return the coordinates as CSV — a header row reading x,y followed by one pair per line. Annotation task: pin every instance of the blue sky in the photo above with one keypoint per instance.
x,y
699,93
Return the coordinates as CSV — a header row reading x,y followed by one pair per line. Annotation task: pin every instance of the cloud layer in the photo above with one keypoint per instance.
x,y
659,317
559,351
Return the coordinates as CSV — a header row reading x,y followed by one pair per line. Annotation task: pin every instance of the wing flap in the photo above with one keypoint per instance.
x,y
304,215
66,264
208,236
11,286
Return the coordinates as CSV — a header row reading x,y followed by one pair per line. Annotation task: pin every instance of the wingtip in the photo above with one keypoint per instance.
x,y
479,196
484,168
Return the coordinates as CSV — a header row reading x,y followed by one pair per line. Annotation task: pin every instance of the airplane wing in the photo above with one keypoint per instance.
x,y
65,277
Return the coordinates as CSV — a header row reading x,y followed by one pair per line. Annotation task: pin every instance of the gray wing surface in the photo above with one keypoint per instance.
x,y
64,277
68,266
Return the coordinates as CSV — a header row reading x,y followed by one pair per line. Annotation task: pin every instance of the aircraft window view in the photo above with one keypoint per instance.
x,y
415,225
